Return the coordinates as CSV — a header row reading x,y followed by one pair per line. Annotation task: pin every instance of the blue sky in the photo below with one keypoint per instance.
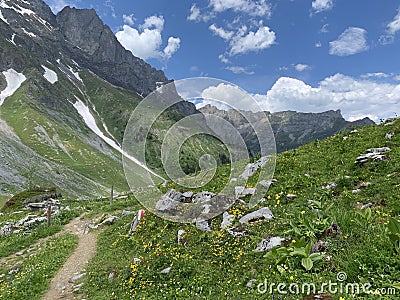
x,y
303,55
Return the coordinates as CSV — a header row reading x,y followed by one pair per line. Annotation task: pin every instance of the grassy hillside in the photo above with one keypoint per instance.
x,y
215,265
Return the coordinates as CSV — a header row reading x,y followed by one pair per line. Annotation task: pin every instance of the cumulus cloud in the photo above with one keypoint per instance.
x,y
260,8
146,42
239,70
172,47
301,67
128,19
194,13
351,41
318,45
263,38
225,96
221,32
356,98
321,5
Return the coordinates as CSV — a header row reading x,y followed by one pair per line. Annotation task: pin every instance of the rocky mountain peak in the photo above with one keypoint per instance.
x,y
94,46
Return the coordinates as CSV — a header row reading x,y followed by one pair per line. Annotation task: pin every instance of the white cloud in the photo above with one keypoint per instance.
x,y
394,25
172,47
351,41
318,45
58,5
227,96
147,41
239,70
263,38
324,28
376,75
260,8
321,5
194,14
222,33
153,22
223,59
301,67
128,19
391,29
356,98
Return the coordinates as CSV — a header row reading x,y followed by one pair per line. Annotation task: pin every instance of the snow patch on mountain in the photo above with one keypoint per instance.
x,y
14,81
90,121
2,18
76,74
50,75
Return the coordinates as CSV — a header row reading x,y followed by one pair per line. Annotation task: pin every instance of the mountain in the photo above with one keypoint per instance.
x,y
291,129
67,90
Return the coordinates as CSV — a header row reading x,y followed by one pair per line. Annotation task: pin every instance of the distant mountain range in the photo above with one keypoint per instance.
x,y
67,91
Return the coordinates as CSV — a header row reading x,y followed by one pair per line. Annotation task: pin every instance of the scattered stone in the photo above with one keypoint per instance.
x,y
389,135
166,270
6,229
108,219
77,277
267,183
14,271
233,180
203,225
319,296
111,276
252,168
291,196
365,184
319,246
356,191
127,213
137,260
241,191
169,201
263,213
332,231
345,138
363,206
181,232
202,197
188,194
237,232
372,154
329,185
389,123
136,220
269,244
77,287
19,253
354,131
227,220
250,283
307,175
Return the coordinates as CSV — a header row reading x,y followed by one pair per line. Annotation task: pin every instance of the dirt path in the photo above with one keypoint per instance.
x,y
60,286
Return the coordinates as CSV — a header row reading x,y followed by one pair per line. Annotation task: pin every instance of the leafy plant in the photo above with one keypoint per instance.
x,y
394,233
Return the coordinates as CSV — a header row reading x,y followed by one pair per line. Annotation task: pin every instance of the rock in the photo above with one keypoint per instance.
x,y
267,183
319,296
111,275
319,246
227,220
332,231
354,131
166,270
263,213
252,168
291,196
329,185
202,197
345,138
77,287
372,154
203,225
110,220
269,244
77,277
364,206
237,232
365,184
241,191
181,232
250,283
6,229
356,191
169,201
127,213
19,253
188,194
389,135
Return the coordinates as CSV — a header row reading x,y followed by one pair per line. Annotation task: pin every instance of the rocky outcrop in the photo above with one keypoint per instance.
x,y
86,34
291,129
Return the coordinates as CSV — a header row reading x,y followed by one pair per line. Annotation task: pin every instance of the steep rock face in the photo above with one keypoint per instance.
x,y
102,52
291,129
